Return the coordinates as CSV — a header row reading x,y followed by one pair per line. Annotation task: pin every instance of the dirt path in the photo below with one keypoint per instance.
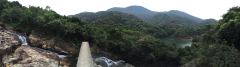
x,y
85,58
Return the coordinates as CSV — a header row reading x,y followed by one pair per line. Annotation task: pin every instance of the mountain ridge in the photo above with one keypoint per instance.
x,y
149,15
133,9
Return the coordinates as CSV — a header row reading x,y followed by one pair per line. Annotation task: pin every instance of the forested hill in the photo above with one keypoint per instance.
x,y
158,17
219,46
138,11
119,19
171,24
118,34
125,36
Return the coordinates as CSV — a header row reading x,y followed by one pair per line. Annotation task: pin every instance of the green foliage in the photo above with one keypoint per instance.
x,y
218,46
121,34
211,55
228,29
130,38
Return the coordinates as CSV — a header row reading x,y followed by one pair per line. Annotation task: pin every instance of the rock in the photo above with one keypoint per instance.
x,y
13,54
26,56
52,43
8,42
40,42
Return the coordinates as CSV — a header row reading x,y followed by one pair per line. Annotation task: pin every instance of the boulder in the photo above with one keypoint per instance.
x,y
52,43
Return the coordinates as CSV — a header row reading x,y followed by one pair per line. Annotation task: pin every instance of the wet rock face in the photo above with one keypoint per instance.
x,y
8,41
26,56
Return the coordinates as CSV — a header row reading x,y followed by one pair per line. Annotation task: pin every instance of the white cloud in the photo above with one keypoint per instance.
x,y
200,8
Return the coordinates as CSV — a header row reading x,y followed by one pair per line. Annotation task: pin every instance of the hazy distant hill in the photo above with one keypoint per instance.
x,y
114,16
209,22
174,22
174,16
138,11
158,17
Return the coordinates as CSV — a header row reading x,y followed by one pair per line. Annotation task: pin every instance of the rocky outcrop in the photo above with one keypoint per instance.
x,y
52,43
8,41
26,56
13,54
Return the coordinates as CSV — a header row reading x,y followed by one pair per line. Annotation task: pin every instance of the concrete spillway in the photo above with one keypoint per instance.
x,y
85,58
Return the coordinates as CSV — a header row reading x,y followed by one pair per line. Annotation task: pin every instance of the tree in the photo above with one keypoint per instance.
x,y
228,29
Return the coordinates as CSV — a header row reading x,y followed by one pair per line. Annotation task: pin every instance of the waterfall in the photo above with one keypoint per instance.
x,y
105,62
22,39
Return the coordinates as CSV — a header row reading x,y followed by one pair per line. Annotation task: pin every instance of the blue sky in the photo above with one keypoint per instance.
x,y
200,8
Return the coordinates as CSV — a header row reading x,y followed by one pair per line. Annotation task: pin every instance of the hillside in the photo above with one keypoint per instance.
x,y
174,16
139,11
158,17
112,34
173,21
162,30
218,46
35,37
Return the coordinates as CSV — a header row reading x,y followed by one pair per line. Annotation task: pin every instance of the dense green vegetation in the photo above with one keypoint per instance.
x,y
132,39
218,46
129,37
121,34
175,23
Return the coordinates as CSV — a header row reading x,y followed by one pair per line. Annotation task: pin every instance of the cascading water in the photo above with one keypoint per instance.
x,y
22,39
105,62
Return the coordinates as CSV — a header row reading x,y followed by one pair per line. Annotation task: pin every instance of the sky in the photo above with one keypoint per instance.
x,y
204,9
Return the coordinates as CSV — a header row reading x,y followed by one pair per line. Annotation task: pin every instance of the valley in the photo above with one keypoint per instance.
x,y
132,36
